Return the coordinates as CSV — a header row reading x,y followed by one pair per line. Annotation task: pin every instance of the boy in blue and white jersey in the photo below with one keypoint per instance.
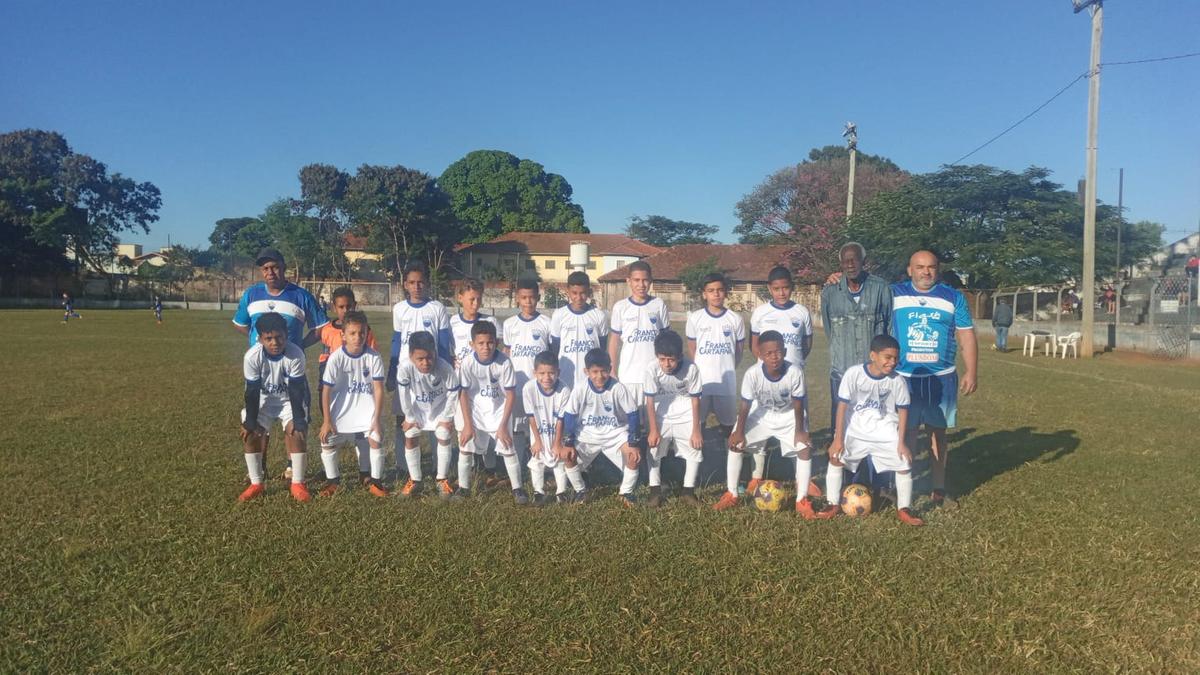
x,y
601,418
633,325
930,320
487,397
544,398
575,329
275,390
526,335
428,396
157,307
772,406
352,403
873,406
672,393
470,297
790,319
715,337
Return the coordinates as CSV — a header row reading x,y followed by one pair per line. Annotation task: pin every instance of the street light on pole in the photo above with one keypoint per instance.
x,y
851,136
1088,282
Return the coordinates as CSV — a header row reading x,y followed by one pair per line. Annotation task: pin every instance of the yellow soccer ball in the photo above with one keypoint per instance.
x,y
856,500
769,496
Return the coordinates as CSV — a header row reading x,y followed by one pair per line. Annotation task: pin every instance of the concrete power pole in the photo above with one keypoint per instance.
x,y
851,136
1088,282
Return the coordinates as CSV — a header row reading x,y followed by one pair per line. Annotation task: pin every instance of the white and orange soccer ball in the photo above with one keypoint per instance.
x,y
769,496
856,500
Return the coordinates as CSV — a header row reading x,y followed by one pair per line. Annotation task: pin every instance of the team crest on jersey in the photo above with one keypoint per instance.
x,y
366,371
921,301
494,379
654,319
428,323
271,306
607,407
537,336
795,324
436,382
727,331
589,330
883,395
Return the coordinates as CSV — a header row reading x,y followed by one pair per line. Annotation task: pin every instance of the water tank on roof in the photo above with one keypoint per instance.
x,y
580,252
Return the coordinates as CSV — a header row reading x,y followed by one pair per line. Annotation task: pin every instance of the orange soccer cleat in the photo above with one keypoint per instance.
x,y
909,518
828,512
728,501
805,508
329,489
752,486
376,488
300,492
444,488
255,490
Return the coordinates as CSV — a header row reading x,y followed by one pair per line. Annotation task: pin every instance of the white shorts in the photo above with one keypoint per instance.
x,y
882,453
586,453
779,426
546,458
424,423
340,439
724,407
270,411
679,439
482,441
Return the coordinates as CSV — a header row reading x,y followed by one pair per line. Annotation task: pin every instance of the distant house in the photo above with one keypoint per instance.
x,y
355,248
547,254
745,266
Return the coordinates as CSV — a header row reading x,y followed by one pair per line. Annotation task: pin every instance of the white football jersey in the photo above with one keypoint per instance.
x,y
602,416
792,321
273,372
409,318
772,399
873,404
673,393
717,337
460,330
351,381
486,385
525,339
545,409
637,326
434,394
577,333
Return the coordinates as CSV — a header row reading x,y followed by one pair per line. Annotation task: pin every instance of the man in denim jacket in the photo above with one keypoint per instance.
x,y
855,309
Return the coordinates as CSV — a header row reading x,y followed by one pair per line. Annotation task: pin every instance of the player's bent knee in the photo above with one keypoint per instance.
x,y
414,432
442,433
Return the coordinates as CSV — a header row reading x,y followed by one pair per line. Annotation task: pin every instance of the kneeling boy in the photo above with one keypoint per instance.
x,y
877,401
352,402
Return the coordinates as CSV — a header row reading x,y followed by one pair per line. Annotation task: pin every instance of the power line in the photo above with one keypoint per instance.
x,y
1023,119
1161,58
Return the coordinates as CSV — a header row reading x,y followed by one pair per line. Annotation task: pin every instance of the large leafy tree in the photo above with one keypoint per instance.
x,y
493,192
804,206
323,198
992,227
663,232
53,200
298,238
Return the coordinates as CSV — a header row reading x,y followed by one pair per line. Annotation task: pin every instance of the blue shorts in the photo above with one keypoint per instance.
x,y
934,401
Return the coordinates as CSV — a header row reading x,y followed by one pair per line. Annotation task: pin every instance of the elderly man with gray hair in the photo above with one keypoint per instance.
x,y
855,308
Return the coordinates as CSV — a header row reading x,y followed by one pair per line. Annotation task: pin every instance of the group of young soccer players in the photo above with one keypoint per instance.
x,y
561,391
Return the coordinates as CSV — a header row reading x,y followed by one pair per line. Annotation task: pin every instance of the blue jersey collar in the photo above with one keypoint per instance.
x,y
782,372
607,385
716,316
522,316
789,305
641,304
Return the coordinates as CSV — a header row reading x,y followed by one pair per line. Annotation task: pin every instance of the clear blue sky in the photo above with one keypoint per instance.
x,y
675,109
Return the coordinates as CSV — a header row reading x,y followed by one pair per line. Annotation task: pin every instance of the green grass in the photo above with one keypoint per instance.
x,y
1073,548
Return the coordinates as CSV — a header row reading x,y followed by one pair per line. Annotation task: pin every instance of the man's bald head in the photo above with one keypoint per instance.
x,y
923,270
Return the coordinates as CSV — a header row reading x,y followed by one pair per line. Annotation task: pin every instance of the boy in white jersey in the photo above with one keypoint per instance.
x,y
790,319
487,398
275,389
601,418
672,391
544,399
575,329
526,335
772,407
633,325
429,397
352,404
470,297
877,399
715,337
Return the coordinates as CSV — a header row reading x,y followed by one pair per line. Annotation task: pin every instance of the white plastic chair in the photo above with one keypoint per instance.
x,y
1068,341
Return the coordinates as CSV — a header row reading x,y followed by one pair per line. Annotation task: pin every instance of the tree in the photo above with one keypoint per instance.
x,y
804,206
692,276
323,197
53,200
493,192
991,227
298,238
665,233
224,236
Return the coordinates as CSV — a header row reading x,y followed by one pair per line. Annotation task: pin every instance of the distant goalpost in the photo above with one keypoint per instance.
x,y
368,294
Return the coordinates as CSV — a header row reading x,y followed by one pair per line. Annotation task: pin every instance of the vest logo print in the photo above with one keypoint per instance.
x,y
271,306
537,336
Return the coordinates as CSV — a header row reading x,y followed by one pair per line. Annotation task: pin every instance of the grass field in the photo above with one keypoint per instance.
x,y
1074,546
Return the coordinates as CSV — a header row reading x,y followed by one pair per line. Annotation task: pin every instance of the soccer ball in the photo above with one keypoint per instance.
x,y
769,496
856,500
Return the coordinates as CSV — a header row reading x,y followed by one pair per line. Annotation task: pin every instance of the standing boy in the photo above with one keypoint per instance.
x,y
544,399
68,305
673,390
634,324
872,409
790,319
715,337
428,397
575,329
601,418
331,333
486,397
772,407
275,389
157,307
526,335
470,297
352,405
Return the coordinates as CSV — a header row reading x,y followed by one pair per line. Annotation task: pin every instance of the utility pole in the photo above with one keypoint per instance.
x,y
851,136
1088,281
1120,226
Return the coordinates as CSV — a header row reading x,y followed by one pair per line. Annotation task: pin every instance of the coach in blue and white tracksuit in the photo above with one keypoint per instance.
x,y
930,320
276,294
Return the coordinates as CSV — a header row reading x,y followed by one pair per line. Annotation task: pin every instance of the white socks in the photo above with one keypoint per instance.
x,y
378,455
733,471
760,465
537,476
655,469
464,469
363,447
575,475
412,457
904,484
690,473
254,467
803,476
330,459
443,461
297,467
628,480
512,464
560,479
833,484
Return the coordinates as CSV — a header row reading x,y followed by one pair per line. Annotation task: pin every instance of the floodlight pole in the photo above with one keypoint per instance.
x,y
851,134
1089,205
1120,226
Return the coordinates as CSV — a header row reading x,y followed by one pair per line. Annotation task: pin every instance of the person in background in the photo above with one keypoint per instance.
x,y
1002,320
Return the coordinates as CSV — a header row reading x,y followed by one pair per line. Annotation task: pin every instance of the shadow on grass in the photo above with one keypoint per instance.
x,y
976,461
